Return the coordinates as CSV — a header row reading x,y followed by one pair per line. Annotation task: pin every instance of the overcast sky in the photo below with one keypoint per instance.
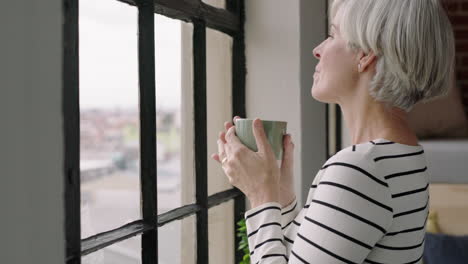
x,y
109,56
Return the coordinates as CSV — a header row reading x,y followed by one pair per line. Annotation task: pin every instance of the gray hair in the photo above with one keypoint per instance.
x,y
413,41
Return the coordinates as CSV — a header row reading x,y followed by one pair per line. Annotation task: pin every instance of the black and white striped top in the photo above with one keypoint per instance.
x,y
367,204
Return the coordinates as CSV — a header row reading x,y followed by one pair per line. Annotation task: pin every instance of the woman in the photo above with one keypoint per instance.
x,y
369,202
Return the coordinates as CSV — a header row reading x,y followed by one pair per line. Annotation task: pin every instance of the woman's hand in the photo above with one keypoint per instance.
x,y
285,193
287,172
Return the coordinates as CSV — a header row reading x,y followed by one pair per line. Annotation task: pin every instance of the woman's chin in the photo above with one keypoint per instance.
x,y
315,91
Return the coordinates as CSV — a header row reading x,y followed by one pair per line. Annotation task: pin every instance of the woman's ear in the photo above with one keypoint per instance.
x,y
367,59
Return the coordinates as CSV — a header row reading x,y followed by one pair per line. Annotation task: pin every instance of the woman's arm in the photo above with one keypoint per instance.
x,y
265,235
289,213
349,213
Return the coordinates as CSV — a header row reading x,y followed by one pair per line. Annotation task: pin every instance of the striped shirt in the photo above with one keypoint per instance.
x,y
367,204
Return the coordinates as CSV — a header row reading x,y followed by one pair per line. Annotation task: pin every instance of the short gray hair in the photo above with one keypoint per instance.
x,y
414,43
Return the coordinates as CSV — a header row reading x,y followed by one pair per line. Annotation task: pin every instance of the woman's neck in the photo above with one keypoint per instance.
x,y
373,121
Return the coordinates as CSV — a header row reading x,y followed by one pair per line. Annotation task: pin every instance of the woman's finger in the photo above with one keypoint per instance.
x,y
215,157
227,129
232,142
287,160
227,125
221,150
222,136
260,137
231,137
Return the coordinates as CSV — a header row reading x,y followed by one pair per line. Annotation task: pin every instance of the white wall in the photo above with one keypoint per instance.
x,y
31,139
280,37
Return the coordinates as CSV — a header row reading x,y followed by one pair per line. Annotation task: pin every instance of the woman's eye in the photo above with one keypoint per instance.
x,y
330,36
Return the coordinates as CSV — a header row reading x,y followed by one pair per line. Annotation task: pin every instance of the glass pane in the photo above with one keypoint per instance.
x,y
125,252
177,242
216,3
219,101
221,233
174,113
109,116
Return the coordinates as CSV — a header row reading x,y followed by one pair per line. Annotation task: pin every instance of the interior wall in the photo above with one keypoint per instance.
x,y
31,152
280,37
313,30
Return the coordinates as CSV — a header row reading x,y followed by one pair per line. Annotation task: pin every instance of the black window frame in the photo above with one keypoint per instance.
x,y
229,21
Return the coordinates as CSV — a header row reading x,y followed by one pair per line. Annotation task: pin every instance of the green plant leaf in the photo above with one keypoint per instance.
x,y
244,242
242,247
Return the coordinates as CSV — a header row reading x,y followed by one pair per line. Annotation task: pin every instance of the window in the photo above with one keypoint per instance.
x,y
120,129
334,129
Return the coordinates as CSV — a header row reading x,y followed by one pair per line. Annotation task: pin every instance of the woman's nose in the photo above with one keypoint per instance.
x,y
316,53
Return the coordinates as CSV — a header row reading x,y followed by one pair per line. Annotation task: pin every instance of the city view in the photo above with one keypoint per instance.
x,y
110,189
110,128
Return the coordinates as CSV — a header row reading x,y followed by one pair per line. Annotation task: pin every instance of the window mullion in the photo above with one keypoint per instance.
x,y
71,113
238,102
148,177
201,170
191,10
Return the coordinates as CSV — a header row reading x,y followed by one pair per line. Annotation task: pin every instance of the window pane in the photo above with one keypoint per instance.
x,y
177,242
126,252
219,101
174,113
216,3
109,115
221,233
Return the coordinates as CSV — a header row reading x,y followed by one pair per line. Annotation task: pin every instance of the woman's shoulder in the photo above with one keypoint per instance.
x,y
359,153
379,154
352,157
353,166
376,149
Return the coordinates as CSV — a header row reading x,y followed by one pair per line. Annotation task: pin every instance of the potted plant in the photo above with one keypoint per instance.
x,y
243,243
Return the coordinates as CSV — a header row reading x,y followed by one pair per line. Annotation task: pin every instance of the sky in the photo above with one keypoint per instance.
x,y
108,47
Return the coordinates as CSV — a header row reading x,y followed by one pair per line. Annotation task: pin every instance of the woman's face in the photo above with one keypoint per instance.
x,y
337,71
